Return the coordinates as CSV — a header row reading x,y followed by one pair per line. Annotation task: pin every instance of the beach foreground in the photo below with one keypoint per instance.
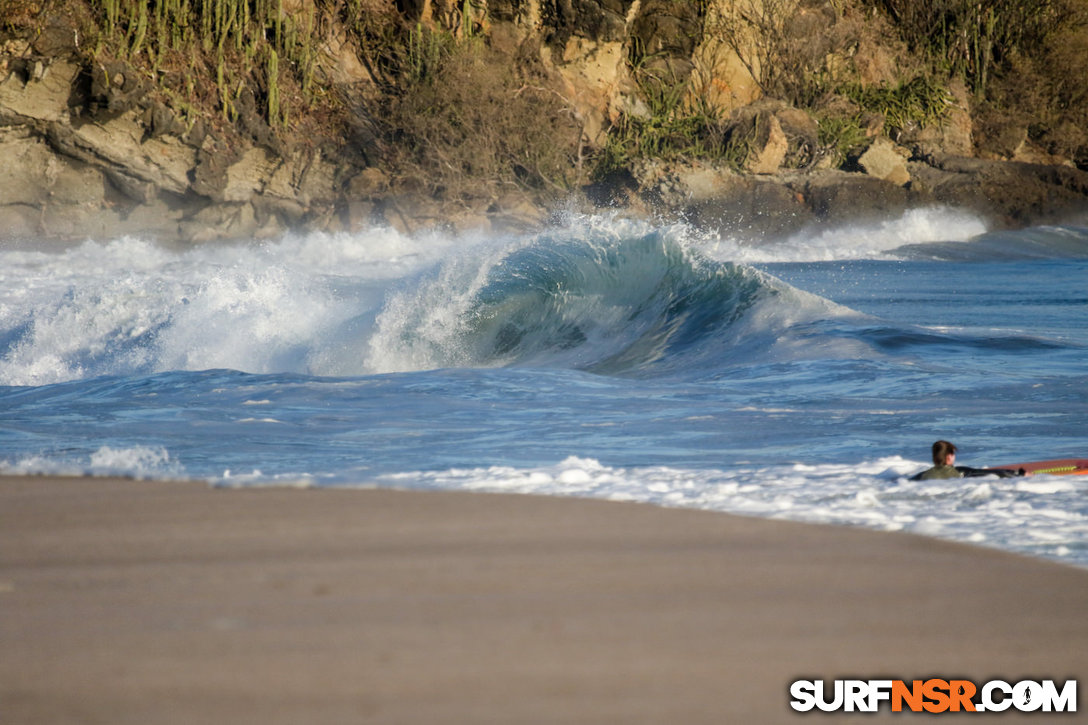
x,y
151,602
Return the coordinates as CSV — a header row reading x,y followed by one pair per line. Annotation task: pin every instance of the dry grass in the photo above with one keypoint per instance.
x,y
465,124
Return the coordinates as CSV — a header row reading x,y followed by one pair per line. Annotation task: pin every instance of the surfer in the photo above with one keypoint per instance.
x,y
944,463
944,466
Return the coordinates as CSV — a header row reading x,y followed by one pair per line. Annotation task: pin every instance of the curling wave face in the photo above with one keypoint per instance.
x,y
619,299
637,305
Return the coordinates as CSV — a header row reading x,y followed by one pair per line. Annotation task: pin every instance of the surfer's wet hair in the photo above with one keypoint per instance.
x,y
941,451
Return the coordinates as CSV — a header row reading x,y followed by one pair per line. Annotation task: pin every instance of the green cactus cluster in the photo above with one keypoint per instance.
x,y
244,40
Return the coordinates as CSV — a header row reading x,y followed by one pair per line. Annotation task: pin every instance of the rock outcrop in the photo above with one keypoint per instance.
x,y
883,161
87,153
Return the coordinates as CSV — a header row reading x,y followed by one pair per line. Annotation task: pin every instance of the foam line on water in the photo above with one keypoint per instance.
x,y
1037,515
141,462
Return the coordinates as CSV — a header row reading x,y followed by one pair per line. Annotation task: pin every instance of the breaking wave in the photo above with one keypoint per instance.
x,y
599,294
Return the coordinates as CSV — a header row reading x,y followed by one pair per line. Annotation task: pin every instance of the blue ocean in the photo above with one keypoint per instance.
x,y
798,378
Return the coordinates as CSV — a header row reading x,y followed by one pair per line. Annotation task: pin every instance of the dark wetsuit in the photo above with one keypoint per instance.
x,y
943,471
947,471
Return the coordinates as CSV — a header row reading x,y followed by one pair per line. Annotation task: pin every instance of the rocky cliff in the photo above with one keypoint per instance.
x,y
89,153
92,146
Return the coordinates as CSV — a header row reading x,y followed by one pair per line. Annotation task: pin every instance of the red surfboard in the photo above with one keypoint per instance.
x,y
1060,467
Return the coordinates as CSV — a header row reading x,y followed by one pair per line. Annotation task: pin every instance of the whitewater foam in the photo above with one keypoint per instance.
x,y
129,307
141,462
875,240
1040,516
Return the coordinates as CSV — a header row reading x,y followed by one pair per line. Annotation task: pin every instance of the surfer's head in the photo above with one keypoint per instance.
x,y
941,451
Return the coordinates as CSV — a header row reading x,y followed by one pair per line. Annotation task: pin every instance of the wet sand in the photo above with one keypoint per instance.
x,y
151,602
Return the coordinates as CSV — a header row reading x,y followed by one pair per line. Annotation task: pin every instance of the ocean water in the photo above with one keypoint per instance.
x,y
802,378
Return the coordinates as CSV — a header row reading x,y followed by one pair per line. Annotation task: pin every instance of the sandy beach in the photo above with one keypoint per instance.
x,y
152,602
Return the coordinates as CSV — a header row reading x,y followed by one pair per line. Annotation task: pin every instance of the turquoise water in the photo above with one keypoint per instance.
x,y
800,379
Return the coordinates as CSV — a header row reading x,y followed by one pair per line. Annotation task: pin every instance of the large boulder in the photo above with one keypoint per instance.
x,y
767,145
36,91
882,160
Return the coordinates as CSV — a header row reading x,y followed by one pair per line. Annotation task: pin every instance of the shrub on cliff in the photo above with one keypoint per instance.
x,y
670,127
1023,59
460,122
867,66
977,40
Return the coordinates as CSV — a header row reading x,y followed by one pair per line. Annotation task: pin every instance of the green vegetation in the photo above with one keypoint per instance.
x,y
670,127
1023,60
446,113
974,39
919,102
840,136
239,43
